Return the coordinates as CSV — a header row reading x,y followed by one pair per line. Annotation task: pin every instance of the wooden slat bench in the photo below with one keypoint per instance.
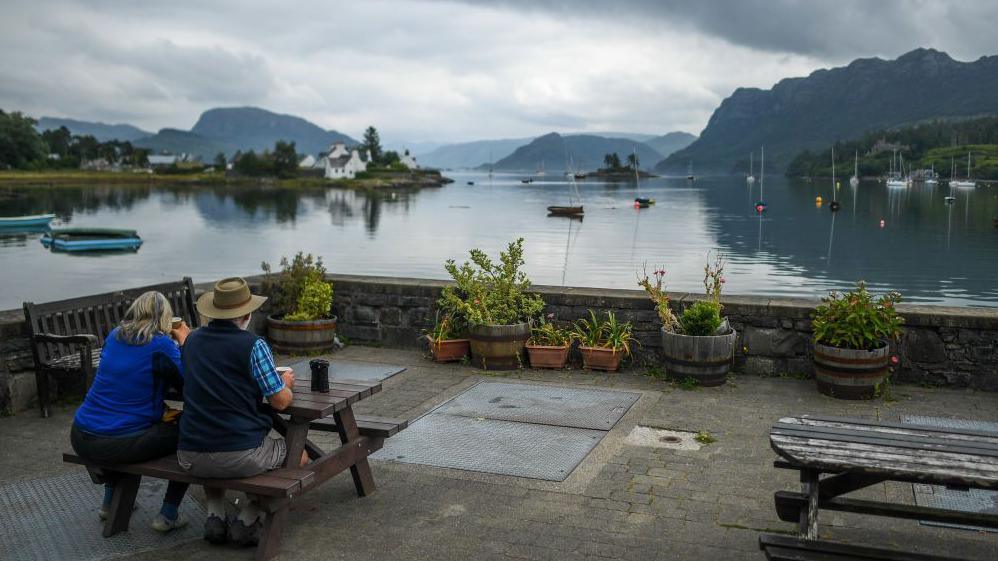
x,y
370,426
273,489
787,548
67,335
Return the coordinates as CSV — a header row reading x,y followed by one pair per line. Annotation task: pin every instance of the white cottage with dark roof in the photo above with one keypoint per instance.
x,y
340,163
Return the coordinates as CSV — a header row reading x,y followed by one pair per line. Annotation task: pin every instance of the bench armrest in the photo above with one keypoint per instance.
x,y
79,339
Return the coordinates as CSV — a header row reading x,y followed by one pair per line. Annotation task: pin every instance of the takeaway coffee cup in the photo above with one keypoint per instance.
x,y
320,375
176,322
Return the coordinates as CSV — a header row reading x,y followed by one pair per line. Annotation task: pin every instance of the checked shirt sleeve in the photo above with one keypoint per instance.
x,y
264,370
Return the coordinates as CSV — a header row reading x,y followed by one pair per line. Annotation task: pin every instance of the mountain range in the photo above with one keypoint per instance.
x,y
839,104
555,152
223,129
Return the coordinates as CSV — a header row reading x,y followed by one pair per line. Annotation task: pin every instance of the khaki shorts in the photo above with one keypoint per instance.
x,y
231,465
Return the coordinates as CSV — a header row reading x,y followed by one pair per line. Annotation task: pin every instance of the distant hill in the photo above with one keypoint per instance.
x,y
470,154
585,152
176,141
101,131
252,128
668,143
839,104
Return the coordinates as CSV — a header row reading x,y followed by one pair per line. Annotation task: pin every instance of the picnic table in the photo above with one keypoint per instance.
x,y
857,453
330,411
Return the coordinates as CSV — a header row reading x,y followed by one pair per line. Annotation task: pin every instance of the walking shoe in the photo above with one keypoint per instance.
x,y
243,535
164,524
104,511
215,530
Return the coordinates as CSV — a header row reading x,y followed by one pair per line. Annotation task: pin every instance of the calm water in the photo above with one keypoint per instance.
x,y
930,250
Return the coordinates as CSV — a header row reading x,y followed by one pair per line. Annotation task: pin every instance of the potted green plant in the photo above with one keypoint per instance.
x,y
699,343
603,343
301,300
495,301
548,345
446,341
852,335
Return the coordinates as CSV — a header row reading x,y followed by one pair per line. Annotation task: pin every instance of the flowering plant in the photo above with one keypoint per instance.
x,y
295,291
656,292
855,320
490,293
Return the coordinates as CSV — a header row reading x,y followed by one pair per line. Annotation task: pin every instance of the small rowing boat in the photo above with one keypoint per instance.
x,y
91,239
565,211
23,221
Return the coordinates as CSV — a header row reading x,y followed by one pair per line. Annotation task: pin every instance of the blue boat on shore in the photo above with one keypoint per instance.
x,y
91,239
32,221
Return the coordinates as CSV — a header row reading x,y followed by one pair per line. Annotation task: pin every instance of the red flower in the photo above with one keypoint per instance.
x,y
894,359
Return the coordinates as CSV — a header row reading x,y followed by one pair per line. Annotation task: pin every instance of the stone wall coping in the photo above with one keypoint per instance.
x,y
921,315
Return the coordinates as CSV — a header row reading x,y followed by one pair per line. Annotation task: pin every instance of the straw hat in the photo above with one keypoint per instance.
x,y
231,299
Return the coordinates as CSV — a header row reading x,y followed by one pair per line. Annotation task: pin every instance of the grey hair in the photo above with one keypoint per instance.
x,y
148,315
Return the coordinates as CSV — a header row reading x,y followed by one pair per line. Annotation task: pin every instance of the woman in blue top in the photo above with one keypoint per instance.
x,y
121,419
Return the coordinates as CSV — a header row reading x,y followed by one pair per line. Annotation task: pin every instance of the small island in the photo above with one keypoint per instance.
x,y
614,169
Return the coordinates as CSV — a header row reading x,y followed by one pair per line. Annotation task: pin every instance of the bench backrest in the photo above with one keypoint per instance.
x,y
99,314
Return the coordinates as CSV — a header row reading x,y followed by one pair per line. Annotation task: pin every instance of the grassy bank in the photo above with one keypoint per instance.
x,y
78,177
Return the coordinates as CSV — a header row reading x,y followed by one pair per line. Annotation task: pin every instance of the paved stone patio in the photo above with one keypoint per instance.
x,y
622,502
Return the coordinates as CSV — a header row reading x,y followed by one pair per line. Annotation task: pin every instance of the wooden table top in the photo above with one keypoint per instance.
x,y
898,451
308,404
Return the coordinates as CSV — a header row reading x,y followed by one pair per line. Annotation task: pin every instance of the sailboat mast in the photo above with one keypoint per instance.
x,y
833,169
762,171
751,169
968,165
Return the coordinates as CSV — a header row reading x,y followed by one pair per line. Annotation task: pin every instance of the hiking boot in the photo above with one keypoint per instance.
x,y
163,524
215,530
243,535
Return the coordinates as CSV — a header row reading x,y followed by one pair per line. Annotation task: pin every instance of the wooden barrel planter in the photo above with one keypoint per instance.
x,y
706,359
449,350
301,337
850,373
543,356
498,347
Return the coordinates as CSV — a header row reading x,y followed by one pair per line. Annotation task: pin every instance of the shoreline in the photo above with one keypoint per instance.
x,y
376,181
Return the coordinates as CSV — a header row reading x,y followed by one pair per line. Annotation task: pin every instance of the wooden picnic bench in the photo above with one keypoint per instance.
x,y
274,490
857,453
788,548
67,335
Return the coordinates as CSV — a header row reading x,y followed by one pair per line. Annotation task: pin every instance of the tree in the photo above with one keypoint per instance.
x,y
285,159
140,157
58,141
608,161
220,161
632,160
372,142
390,158
20,144
250,164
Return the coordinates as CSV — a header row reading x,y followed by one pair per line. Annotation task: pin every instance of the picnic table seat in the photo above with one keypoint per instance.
x,y
787,548
369,425
67,335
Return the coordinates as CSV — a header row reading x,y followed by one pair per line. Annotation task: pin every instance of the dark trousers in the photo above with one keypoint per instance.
x,y
157,441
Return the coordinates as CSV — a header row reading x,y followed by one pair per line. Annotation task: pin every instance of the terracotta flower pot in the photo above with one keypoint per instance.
x,y
450,350
599,358
543,356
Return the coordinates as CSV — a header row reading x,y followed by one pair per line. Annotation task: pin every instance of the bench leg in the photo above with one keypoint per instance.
x,y
273,530
42,386
126,487
363,479
808,525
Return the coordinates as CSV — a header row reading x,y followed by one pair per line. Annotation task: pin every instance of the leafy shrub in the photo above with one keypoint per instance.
x,y
285,289
855,320
489,293
315,302
702,318
446,328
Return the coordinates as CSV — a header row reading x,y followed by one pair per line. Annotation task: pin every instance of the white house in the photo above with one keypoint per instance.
x,y
162,160
408,160
308,162
339,164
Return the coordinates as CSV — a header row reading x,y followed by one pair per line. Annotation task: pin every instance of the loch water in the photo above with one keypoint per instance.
x,y
910,239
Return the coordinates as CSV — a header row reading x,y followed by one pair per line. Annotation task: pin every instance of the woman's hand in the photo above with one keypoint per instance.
x,y
180,334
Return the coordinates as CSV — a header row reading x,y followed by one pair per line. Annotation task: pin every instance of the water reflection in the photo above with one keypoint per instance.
x,y
926,248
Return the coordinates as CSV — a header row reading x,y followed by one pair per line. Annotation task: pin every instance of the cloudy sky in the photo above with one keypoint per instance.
x,y
429,70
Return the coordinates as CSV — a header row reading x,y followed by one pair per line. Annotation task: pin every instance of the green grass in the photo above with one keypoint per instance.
x,y
704,437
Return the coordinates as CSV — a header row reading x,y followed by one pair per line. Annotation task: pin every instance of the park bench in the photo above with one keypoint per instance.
x,y
67,335
788,548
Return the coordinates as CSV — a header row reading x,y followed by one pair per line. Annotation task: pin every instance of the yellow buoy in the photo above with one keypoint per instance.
x,y
817,199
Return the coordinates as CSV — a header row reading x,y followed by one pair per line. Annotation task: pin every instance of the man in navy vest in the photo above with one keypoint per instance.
x,y
224,430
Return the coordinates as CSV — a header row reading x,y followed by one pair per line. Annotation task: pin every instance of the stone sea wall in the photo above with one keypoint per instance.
x,y
956,347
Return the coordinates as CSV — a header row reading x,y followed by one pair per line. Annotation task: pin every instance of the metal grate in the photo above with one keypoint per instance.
x,y
56,519
543,405
939,496
492,446
350,370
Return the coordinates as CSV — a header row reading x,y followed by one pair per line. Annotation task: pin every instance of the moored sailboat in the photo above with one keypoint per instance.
x,y
967,183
